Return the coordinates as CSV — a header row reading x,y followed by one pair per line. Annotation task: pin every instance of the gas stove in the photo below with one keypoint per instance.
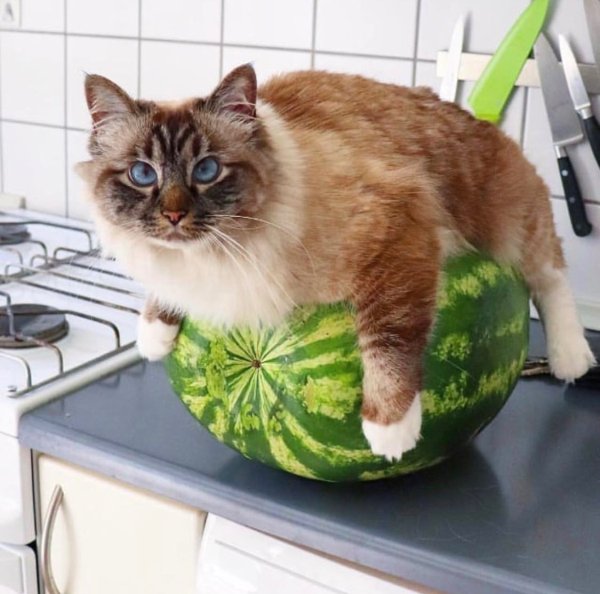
x,y
68,317
66,313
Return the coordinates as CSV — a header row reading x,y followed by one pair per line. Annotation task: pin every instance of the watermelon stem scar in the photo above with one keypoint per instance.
x,y
290,396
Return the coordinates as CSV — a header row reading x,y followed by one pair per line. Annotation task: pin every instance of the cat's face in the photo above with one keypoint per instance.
x,y
178,173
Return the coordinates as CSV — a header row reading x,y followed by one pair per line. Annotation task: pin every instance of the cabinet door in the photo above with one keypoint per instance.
x,y
110,537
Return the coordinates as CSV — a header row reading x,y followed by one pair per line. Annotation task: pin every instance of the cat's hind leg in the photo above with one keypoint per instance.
x,y
516,225
569,353
544,268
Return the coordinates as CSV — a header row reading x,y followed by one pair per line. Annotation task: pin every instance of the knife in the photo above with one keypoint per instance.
x,y
497,81
565,128
580,97
450,80
592,13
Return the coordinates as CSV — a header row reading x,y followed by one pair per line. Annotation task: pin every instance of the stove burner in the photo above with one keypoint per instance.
x,y
39,322
13,233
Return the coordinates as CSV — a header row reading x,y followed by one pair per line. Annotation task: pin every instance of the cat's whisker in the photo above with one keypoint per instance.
x,y
253,259
256,265
214,239
276,226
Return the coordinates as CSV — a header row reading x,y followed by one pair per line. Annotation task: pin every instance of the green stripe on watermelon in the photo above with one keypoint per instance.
x,y
290,396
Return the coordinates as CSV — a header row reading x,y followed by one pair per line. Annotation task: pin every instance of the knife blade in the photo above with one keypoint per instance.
x,y
592,13
579,95
493,88
450,80
565,129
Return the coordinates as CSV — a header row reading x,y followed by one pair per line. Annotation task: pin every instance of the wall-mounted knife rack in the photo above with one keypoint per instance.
x,y
473,65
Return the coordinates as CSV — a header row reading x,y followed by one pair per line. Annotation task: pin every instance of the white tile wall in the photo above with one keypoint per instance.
x,y
34,165
109,17
116,59
489,20
192,20
175,48
178,70
382,27
43,15
269,22
32,66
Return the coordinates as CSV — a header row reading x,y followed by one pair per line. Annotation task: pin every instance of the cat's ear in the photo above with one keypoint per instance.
x,y
106,100
236,93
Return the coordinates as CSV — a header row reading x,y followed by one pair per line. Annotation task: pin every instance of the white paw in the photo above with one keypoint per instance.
x,y
570,357
155,339
394,439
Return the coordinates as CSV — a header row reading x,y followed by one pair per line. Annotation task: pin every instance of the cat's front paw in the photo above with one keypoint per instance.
x,y
571,357
155,339
393,440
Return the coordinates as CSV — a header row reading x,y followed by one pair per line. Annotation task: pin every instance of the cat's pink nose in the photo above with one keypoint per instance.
x,y
174,216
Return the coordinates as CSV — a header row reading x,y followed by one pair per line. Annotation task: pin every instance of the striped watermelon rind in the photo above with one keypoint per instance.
x,y
290,396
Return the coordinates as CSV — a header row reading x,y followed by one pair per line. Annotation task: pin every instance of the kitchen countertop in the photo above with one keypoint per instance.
x,y
516,511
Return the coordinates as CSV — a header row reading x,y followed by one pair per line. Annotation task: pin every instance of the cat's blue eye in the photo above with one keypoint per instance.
x,y
206,170
142,174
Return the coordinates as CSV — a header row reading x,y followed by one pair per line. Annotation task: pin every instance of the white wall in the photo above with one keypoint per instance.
x,y
175,48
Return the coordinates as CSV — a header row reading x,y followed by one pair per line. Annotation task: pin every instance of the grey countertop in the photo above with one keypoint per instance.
x,y
516,511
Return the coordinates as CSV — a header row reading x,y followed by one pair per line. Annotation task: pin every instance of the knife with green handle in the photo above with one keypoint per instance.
x,y
493,88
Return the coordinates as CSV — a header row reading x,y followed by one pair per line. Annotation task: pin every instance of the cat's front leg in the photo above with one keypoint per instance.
x,y
157,330
394,318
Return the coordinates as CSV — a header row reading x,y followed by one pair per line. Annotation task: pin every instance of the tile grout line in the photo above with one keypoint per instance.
x,y
139,51
44,125
226,45
313,43
222,39
416,45
65,110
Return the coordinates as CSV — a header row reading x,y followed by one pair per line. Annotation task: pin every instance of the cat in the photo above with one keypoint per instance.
x,y
315,188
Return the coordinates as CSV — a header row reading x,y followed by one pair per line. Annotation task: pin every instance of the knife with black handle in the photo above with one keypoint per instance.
x,y
580,97
579,221
565,129
592,131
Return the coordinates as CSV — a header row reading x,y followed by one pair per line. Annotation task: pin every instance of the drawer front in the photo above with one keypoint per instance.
x,y
238,560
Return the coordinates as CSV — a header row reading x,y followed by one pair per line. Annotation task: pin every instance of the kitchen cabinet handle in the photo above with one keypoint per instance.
x,y
47,530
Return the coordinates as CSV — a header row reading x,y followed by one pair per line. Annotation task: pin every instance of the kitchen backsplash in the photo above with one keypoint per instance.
x,y
177,48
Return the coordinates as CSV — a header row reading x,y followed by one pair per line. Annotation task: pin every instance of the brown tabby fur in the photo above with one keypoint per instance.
x,y
387,169
393,180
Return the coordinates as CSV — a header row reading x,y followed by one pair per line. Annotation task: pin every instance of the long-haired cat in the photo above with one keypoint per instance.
x,y
318,188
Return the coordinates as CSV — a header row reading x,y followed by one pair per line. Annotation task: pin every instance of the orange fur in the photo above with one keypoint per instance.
x,y
388,170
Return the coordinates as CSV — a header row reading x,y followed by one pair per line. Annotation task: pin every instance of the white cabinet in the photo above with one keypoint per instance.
x,y
113,538
109,537
238,560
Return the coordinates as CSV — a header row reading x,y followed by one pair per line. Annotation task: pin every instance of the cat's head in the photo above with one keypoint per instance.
x,y
172,172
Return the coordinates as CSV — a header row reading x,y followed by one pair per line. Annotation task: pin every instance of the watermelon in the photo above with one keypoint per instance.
x,y
289,396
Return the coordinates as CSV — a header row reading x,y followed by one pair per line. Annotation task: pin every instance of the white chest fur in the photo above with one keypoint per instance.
x,y
223,288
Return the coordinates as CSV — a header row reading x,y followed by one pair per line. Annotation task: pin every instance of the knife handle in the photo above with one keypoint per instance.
x,y
592,131
575,204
